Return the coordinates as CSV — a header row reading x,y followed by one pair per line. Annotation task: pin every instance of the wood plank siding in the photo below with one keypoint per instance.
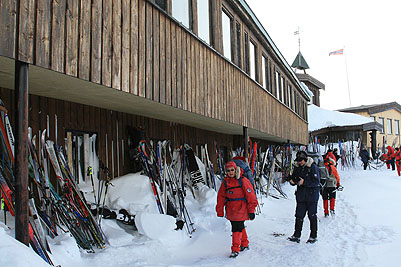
x,y
134,47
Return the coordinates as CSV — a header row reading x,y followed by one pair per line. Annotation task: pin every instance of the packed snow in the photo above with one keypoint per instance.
x,y
364,232
319,118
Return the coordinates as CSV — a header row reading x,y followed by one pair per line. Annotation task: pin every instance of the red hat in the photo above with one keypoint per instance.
x,y
231,164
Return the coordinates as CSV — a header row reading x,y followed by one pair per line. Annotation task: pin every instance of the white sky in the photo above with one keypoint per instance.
x,y
368,30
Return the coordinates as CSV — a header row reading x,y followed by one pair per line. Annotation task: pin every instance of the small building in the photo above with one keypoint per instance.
x,y
333,126
389,116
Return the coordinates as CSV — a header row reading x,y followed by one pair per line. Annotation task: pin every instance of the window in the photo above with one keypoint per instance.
x,y
381,121
389,126
203,20
180,10
269,79
397,127
278,92
161,3
227,24
282,96
289,96
264,72
373,118
239,39
252,60
246,52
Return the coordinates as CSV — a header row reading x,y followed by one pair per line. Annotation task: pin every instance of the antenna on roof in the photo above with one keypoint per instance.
x,y
298,32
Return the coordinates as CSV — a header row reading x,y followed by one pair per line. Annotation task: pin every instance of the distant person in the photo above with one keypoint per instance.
x,y
336,155
390,158
237,196
331,155
306,176
398,160
329,188
364,157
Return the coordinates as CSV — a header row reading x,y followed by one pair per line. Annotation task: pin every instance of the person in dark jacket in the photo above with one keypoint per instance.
x,y
306,176
364,157
238,199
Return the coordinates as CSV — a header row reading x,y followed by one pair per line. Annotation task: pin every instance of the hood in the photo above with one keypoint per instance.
x,y
308,163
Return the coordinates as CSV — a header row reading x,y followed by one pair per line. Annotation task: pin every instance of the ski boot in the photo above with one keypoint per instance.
x,y
311,240
234,254
294,239
332,213
241,248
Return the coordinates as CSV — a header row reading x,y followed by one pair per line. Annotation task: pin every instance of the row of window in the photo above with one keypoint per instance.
x,y
389,126
233,44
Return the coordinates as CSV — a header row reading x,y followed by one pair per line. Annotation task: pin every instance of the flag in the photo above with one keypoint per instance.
x,y
337,52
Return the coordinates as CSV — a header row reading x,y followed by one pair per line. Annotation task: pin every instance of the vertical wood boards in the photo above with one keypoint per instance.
x,y
107,36
42,44
72,41
134,49
125,45
149,52
142,47
168,34
178,102
96,44
26,31
156,54
58,36
162,58
84,58
116,45
173,64
8,23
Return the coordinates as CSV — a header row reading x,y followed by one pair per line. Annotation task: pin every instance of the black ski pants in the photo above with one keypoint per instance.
x,y
237,226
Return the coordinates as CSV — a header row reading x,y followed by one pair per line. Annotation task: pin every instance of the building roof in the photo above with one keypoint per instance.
x,y
303,77
372,109
300,62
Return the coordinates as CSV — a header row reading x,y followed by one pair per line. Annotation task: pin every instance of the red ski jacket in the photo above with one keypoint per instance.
x,y
238,201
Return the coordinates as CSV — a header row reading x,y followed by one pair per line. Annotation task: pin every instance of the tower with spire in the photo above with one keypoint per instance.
x,y
299,64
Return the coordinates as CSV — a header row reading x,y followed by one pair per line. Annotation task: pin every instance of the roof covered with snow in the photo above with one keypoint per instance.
x,y
320,118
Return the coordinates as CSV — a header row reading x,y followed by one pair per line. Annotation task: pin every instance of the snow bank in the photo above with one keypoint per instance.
x,y
320,118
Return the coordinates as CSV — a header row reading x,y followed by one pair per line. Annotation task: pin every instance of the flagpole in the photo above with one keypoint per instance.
x,y
346,71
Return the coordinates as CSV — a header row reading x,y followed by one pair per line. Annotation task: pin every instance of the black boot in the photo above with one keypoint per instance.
x,y
313,226
298,229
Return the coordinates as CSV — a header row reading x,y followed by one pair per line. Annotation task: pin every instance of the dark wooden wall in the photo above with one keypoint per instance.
x,y
83,118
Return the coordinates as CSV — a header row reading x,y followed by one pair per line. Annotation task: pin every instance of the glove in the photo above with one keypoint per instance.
x,y
251,216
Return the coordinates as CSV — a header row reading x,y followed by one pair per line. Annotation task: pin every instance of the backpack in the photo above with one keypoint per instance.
x,y
331,180
239,186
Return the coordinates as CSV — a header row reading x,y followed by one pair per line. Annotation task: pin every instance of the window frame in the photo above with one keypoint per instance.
x,y
209,42
381,121
255,60
389,125
231,18
190,15
397,127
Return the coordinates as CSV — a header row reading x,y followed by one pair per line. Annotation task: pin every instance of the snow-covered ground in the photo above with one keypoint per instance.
x,y
365,232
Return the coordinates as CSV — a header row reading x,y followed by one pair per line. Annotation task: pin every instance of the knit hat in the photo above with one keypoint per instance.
x,y
301,155
231,164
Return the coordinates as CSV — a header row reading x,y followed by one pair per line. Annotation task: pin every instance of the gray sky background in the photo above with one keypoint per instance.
x,y
369,31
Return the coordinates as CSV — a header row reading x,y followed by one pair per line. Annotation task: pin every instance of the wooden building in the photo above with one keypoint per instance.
x,y
191,71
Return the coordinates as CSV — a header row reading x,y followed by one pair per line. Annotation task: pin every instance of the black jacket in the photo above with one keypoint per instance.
x,y
309,190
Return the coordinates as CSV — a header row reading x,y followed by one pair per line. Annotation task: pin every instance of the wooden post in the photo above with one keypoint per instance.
x,y
245,134
21,153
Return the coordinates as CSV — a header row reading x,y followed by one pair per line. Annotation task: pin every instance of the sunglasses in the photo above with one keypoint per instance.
x,y
230,170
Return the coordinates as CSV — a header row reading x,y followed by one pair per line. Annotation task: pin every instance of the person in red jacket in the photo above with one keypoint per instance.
x,y
397,154
237,198
390,158
329,188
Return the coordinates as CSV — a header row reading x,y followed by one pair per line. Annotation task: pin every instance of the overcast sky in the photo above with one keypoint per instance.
x,y
368,30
